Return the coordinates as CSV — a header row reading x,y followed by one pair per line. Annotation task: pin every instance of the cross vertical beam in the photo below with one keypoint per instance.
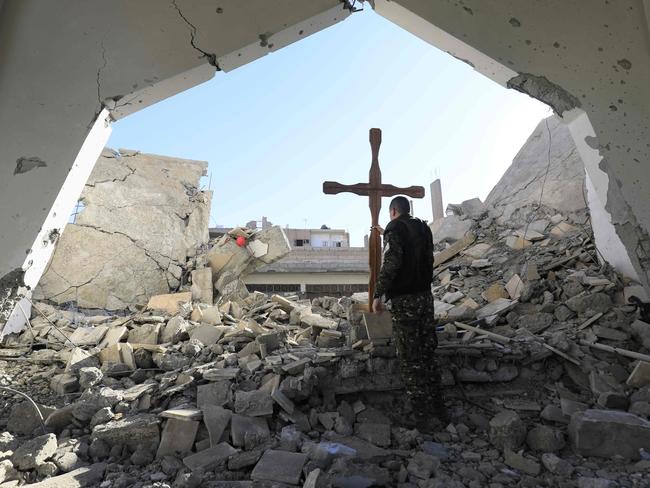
x,y
374,190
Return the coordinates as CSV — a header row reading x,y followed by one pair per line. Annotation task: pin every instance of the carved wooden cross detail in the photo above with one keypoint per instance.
x,y
374,189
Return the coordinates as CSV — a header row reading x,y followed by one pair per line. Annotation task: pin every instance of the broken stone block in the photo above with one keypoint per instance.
x,y
452,297
174,330
377,434
202,285
88,336
494,292
557,465
609,334
640,376
451,229
90,377
113,336
507,430
216,420
282,400
608,433
517,243
423,465
80,359
243,427
595,302
280,466
210,458
31,454
139,430
81,477
169,303
478,251
217,393
207,334
480,263
177,437
24,420
561,229
514,287
254,403
535,322
521,463
145,334
64,383
545,439
497,307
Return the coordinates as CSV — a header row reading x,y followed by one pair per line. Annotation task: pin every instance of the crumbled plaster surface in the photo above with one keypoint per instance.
x,y
143,216
521,185
544,90
9,285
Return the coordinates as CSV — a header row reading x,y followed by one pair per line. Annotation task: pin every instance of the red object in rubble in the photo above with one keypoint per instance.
x,y
241,241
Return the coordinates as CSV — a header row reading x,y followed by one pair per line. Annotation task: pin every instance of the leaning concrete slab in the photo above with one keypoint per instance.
x,y
140,217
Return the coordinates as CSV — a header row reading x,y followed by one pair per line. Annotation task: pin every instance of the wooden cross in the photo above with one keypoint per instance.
x,y
374,189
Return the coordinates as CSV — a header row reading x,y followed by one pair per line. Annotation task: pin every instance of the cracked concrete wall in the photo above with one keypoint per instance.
x,y
65,66
144,215
572,56
520,188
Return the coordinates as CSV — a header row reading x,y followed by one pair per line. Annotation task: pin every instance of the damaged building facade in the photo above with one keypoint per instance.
x,y
592,70
279,391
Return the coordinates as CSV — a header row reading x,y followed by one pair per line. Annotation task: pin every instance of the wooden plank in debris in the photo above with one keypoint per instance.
x,y
616,350
590,321
491,335
562,355
456,248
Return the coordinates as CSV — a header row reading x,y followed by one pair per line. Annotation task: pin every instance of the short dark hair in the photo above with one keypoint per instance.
x,y
401,205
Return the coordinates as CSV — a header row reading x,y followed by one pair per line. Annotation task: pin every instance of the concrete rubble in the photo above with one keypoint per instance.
x,y
544,353
545,364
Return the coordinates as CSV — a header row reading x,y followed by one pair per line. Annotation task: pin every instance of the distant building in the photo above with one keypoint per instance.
x,y
321,262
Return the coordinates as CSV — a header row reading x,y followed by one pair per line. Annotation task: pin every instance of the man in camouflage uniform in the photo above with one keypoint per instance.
x,y
405,279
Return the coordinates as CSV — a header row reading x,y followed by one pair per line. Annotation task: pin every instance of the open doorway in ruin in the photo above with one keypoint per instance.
x,y
217,373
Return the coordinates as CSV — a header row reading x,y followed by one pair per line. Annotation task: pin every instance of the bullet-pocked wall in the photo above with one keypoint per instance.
x,y
62,63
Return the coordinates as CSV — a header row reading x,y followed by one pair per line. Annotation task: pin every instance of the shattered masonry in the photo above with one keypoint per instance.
x,y
545,354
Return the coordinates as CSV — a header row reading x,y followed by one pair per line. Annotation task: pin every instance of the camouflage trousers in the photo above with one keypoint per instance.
x,y
414,331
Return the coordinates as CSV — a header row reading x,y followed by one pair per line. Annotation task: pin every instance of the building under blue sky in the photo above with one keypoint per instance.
x,y
275,129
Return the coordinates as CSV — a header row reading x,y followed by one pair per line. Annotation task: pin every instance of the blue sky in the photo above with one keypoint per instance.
x,y
274,130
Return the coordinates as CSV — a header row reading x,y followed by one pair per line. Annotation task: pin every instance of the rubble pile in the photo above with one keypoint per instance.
x,y
542,350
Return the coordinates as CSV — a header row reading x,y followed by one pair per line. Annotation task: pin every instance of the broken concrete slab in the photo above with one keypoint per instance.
x,y
609,433
34,452
514,287
202,289
88,336
254,403
497,307
145,334
207,334
210,458
451,229
280,466
217,393
507,430
243,428
139,430
115,256
79,478
169,303
640,376
216,420
177,437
